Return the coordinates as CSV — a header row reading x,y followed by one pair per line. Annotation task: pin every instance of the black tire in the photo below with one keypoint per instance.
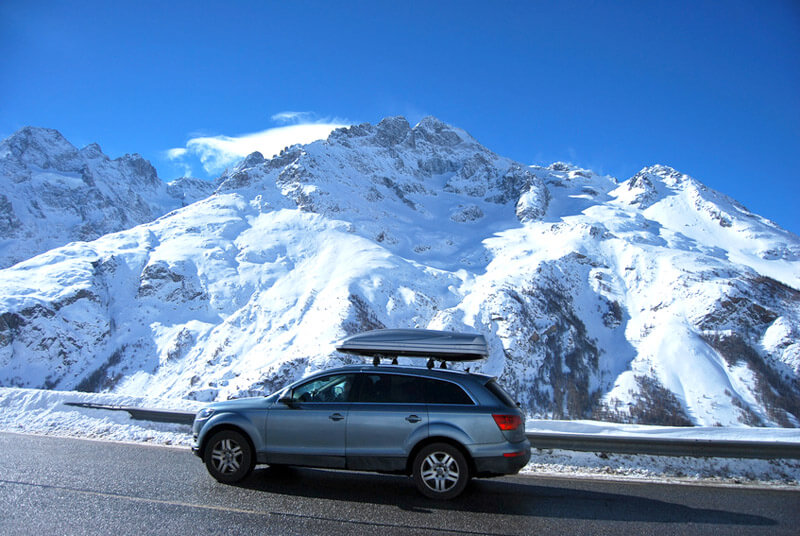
x,y
229,456
441,471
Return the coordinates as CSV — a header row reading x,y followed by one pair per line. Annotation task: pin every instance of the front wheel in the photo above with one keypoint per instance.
x,y
441,471
229,457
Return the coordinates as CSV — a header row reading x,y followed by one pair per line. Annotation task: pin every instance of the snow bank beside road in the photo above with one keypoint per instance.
x,y
556,462
44,412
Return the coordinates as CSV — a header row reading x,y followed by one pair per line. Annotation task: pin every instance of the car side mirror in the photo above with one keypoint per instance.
x,y
289,401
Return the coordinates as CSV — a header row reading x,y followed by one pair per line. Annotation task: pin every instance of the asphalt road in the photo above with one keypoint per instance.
x,y
68,486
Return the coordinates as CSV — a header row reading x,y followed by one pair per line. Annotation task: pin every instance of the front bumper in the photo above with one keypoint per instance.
x,y
196,443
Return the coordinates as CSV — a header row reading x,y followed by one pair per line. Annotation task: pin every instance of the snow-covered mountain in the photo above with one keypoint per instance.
x,y
654,300
53,193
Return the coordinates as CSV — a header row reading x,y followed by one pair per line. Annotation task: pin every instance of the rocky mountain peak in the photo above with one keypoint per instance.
x,y
139,169
561,166
667,175
93,151
51,193
43,147
433,173
439,133
397,132
253,159
652,183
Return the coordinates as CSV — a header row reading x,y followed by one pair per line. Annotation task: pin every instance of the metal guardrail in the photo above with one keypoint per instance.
x,y
656,446
143,414
661,446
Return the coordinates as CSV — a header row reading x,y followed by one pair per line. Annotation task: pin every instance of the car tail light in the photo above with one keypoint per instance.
x,y
507,422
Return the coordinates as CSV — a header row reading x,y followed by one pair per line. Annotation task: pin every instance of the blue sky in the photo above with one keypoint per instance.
x,y
710,88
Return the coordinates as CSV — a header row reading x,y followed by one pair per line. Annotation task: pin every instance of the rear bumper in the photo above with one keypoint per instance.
x,y
509,463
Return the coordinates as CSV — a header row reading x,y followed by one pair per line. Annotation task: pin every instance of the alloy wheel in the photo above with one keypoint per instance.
x,y
440,472
226,456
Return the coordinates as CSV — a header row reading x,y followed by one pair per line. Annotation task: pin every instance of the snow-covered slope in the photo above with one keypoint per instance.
x,y
653,300
53,193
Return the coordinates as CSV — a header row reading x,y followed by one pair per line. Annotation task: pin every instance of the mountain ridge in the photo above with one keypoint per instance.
x,y
54,193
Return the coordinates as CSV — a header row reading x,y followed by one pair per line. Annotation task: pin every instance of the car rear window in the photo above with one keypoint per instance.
x,y
502,395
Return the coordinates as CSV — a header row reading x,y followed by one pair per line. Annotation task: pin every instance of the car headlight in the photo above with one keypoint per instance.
x,y
204,413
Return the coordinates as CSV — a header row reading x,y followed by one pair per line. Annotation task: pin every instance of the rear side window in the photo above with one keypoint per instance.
x,y
401,389
391,389
497,390
441,392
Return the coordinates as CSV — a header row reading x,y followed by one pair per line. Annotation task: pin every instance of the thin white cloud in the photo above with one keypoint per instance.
x,y
217,153
174,154
293,117
187,169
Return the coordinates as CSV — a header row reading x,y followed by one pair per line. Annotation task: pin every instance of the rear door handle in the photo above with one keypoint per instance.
x,y
413,419
336,417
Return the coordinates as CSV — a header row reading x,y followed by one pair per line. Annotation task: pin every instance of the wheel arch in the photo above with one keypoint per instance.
x,y
439,439
221,427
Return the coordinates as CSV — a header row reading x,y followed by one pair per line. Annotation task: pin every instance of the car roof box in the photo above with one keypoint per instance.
x,y
440,345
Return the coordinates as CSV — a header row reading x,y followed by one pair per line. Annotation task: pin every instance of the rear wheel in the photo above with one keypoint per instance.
x,y
441,471
229,457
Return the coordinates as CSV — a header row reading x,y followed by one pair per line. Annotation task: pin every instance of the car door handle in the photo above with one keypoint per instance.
x,y
336,417
413,419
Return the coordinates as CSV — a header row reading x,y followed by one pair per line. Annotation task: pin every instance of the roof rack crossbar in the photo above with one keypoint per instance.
x,y
376,360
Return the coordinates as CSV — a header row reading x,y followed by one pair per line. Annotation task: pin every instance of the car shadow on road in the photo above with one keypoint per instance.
x,y
546,500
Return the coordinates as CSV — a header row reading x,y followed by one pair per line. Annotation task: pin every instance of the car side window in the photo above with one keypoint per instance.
x,y
502,395
336,388
442,392
391,389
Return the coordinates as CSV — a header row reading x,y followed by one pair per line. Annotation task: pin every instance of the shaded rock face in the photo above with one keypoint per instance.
x,y
653,300
9,223
392,131
54,193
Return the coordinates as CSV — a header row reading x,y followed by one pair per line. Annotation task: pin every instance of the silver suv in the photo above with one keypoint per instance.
x,y
442,427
